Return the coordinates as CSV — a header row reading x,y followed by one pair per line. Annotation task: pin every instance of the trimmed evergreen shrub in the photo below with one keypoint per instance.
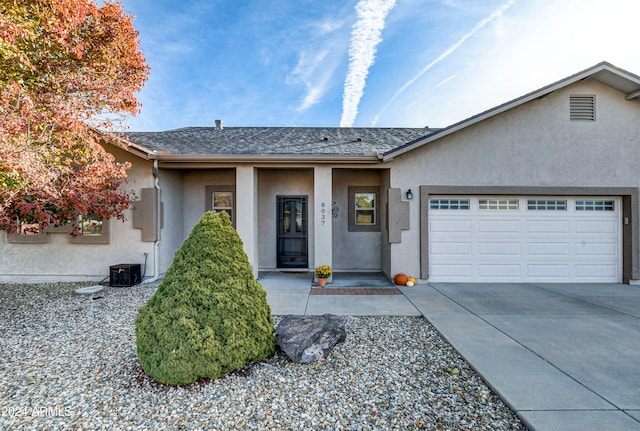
x,y
209,315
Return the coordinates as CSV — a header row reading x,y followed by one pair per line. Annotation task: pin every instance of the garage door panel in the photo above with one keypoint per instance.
x,y
536,227
451,225
499,271
463,271
536,242
547,271
597,249
596,271
451,248
548,249
499,249
499,226
596,227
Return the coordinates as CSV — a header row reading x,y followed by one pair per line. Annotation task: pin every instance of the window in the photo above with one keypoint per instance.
x,y
582,108
594,206
28,233
30,229
449,204
364,209
221,198
92,229
546,205
498,204
222,201
90,225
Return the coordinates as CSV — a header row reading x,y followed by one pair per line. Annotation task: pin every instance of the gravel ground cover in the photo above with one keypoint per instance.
x,y
69,362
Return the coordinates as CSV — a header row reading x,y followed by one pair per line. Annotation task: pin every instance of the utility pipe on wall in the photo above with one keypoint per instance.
x,y
156,223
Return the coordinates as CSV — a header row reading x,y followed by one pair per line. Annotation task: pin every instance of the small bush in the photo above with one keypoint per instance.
x,y
209,315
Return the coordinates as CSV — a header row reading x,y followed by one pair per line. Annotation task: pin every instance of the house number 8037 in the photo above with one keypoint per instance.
x,y
323,214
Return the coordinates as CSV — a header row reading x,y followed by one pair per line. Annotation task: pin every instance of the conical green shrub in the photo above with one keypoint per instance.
x,y
209,315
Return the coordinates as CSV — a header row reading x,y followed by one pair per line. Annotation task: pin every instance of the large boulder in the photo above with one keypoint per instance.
x,y
209,315
306,339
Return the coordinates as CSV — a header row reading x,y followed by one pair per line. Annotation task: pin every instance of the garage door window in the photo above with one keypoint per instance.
x,y
594,206
498,204
449,204
546,205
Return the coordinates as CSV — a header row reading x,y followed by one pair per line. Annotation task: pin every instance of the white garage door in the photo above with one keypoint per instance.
x,y
541,239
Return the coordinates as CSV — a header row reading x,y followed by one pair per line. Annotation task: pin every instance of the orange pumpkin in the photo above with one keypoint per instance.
x,y
400,279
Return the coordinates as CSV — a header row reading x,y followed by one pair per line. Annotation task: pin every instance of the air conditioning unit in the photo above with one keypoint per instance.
x,y
125,275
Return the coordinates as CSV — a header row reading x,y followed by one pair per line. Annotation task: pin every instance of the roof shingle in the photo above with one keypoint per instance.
x,y
202,141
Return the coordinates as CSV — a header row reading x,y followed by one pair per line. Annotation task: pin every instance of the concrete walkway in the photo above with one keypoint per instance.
x,y
290,293
563,356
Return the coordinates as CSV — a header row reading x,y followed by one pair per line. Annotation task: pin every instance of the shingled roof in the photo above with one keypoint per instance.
x,y
203,141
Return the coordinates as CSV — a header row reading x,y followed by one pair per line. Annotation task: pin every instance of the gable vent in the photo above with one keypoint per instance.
x,y
582,108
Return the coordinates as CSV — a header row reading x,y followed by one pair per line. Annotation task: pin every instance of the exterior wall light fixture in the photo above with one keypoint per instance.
x,y
409,194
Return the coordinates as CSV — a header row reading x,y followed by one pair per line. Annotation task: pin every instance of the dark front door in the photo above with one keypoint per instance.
x,y
292,232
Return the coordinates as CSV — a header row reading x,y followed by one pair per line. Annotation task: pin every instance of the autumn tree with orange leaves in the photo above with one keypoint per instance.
x,y
64,64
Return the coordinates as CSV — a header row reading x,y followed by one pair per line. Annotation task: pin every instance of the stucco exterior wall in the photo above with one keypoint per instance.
x,y
194,197
171,235
533,145
272,183
62,260
354,250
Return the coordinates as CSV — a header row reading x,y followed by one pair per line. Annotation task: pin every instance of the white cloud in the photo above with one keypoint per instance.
x,y
444,81
315,77
320,49
491,17
308,63
329,26
365,37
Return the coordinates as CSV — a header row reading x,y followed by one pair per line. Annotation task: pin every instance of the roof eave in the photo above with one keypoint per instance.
x,y
125,144
196,161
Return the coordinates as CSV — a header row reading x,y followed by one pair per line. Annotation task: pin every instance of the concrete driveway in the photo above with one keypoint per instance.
x,y
563,356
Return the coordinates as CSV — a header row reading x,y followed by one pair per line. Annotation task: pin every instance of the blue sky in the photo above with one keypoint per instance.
x,y
363,63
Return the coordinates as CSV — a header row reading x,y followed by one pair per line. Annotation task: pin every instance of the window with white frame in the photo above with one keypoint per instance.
x,y
222,202
498,204
364,209
222,199
547,205
449,204
595,205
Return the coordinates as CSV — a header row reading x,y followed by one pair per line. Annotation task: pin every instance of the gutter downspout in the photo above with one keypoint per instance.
x,y
156,222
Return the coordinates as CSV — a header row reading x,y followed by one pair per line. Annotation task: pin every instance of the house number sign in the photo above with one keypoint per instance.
x,y
323,214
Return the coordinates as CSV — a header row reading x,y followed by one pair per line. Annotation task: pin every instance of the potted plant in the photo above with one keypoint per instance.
x,y
322,273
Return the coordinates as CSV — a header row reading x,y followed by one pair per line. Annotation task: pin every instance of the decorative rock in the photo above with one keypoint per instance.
x,y
306,339
391,365
90,290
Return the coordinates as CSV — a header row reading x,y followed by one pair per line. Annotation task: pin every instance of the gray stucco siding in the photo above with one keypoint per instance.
x,y
355,250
